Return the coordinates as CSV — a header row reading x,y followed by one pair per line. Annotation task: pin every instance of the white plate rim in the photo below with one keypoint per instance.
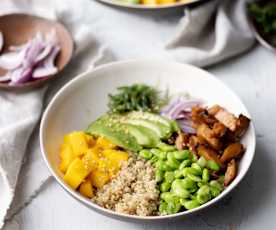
x,y
118,3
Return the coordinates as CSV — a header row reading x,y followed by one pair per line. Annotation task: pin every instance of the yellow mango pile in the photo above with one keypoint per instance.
x,y
89,163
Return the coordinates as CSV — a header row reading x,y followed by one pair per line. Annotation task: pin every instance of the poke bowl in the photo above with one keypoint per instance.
x,y
147,140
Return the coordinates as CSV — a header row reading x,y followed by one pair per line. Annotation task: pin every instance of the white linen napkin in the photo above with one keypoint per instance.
x,y
212,33
20,112
205,35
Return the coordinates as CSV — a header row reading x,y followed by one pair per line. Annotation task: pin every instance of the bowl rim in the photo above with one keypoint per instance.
x,y
118,3
114,214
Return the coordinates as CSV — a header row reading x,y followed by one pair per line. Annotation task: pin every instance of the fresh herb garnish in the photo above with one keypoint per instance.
x,y
138,97
265,16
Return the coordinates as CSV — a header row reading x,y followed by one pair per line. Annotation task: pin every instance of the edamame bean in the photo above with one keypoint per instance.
x,y
185,163
205,175
182,201
182,155
214,191
213,165
163,208
169,176
159,175
221,179
175,126
202,162
191,204
178,174
173,207
168,196
216,184
165,186
197,167
194,158
194,177
153,160
188,184
146,154
200,184
204,194
163,166
192,171
179,190
173,163
185,171
133,1
165,147
159,154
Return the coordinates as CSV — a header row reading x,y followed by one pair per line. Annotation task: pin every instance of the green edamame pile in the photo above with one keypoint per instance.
x,y
184,181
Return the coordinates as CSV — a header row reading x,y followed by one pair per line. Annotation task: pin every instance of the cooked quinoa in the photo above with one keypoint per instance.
x,y
133,191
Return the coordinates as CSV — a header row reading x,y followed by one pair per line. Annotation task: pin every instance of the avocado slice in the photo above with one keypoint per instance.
x,y
154,118
110,128
144,136
159,129
133,130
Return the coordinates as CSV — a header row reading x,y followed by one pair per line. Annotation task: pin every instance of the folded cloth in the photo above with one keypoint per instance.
x,y
20,113
212,33
205,35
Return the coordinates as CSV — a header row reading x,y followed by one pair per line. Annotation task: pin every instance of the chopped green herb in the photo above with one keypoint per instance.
x,y
138,97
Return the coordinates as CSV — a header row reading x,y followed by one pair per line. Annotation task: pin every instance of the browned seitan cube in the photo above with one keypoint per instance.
x,y
242,125
230,173
206,133
209,154
200,115
222,115
218,130
182,141
233,150
195,142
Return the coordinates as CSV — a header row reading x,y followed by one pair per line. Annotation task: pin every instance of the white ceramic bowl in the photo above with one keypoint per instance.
x,y
85,98
122,4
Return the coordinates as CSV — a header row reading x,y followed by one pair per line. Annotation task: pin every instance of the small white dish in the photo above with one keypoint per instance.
x,y
149,7
85,98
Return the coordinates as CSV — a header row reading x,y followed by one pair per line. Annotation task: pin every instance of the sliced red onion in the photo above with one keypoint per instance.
x,y
32,60
11,60
35,48
187,129
182,106
46,51
1,41
21,75
18,48
180,110
47,67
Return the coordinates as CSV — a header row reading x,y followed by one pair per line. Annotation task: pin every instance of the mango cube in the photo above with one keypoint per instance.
x,y
76,173
86,189
66,156
90,140
166,1
91,159
78,142
99,178
150,2
104,143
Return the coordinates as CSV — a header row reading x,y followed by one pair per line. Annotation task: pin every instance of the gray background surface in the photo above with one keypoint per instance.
x,y
252,76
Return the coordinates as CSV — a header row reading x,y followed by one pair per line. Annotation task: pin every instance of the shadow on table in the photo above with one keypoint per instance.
x,y
245,202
